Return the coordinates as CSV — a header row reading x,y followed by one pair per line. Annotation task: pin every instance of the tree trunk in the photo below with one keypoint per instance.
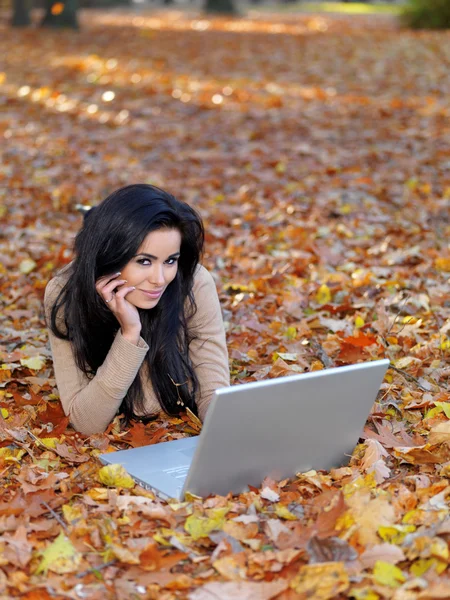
x,y
21,15
220,6
60,13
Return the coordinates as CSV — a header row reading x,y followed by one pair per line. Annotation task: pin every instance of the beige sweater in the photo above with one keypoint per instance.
x,y
91,404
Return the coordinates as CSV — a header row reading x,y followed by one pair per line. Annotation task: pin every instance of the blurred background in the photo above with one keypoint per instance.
x,y
416,13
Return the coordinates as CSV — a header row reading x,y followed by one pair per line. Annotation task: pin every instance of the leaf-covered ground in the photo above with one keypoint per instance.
x,y
317,149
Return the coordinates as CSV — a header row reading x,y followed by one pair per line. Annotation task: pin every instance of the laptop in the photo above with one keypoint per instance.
x,y
272,428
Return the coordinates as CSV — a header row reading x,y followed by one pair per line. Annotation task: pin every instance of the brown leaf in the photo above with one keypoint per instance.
x,y
386,552
244,590
331,549
69,454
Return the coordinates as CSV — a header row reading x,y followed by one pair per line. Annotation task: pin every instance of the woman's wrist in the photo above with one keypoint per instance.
x,y
132,335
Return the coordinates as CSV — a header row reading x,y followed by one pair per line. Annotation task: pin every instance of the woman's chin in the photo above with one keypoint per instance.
x,y
146,304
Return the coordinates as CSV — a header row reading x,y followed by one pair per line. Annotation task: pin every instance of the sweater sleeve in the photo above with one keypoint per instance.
x,y
91,404
208,349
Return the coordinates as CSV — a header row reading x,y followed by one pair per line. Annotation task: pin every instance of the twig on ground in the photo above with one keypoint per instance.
x,y
317,348
412,378
55,516
88,571
404,301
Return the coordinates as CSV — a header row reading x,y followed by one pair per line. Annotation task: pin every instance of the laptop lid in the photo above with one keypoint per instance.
x,y
279,427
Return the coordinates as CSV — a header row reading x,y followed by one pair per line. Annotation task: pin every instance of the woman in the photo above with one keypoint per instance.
x,y
134,321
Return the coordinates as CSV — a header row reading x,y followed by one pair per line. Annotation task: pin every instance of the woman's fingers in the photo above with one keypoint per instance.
x,y
109,289
105,281
124,291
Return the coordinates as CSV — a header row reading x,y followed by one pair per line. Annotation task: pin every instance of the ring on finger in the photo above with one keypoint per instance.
x,y
112,297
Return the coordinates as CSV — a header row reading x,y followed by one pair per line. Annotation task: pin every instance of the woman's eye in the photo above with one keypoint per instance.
x,y
144,261
171,261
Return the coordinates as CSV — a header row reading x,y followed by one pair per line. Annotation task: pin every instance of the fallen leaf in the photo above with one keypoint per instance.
x,y
115,475
244,590
331,549
323,581
198,526
59,557
386,574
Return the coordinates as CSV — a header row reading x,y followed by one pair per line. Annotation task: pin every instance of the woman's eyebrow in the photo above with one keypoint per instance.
x,y
175,255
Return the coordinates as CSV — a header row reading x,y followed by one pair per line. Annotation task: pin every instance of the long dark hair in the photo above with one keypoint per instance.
x,y
111,235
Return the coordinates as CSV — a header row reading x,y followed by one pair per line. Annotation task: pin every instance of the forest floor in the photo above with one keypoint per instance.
x,y
317,149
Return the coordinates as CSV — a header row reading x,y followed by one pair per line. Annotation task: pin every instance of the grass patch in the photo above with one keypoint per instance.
x,y
353,8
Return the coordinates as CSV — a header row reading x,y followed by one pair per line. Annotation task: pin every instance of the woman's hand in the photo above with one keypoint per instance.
x,y
125,312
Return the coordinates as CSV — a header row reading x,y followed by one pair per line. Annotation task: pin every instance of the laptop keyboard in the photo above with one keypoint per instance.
x,y
177,472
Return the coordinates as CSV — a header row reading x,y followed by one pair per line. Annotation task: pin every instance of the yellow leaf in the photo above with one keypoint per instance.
x,y
49,442
239,287
286,356
4,412
445,343
160,538
359,322
59,557
189,497
98,494
321,581
280,167
123,520
436,410
27,265
323,295
410,320
11,455
199,527
283,512
316,365
415,516
439,549
291,333
345,521
368,481
386,574
395,534
115,476
72,513
445,407
422,565
35,363
363,594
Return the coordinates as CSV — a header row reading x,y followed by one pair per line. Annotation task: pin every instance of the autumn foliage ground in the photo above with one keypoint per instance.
x,y
317,149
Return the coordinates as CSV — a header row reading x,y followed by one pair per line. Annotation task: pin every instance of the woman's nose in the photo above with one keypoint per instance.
x,y
157,275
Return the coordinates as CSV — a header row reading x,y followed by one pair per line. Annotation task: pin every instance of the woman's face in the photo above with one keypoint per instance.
x,y
153,268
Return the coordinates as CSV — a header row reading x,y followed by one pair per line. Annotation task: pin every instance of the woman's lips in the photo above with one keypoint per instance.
x,y
153,295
